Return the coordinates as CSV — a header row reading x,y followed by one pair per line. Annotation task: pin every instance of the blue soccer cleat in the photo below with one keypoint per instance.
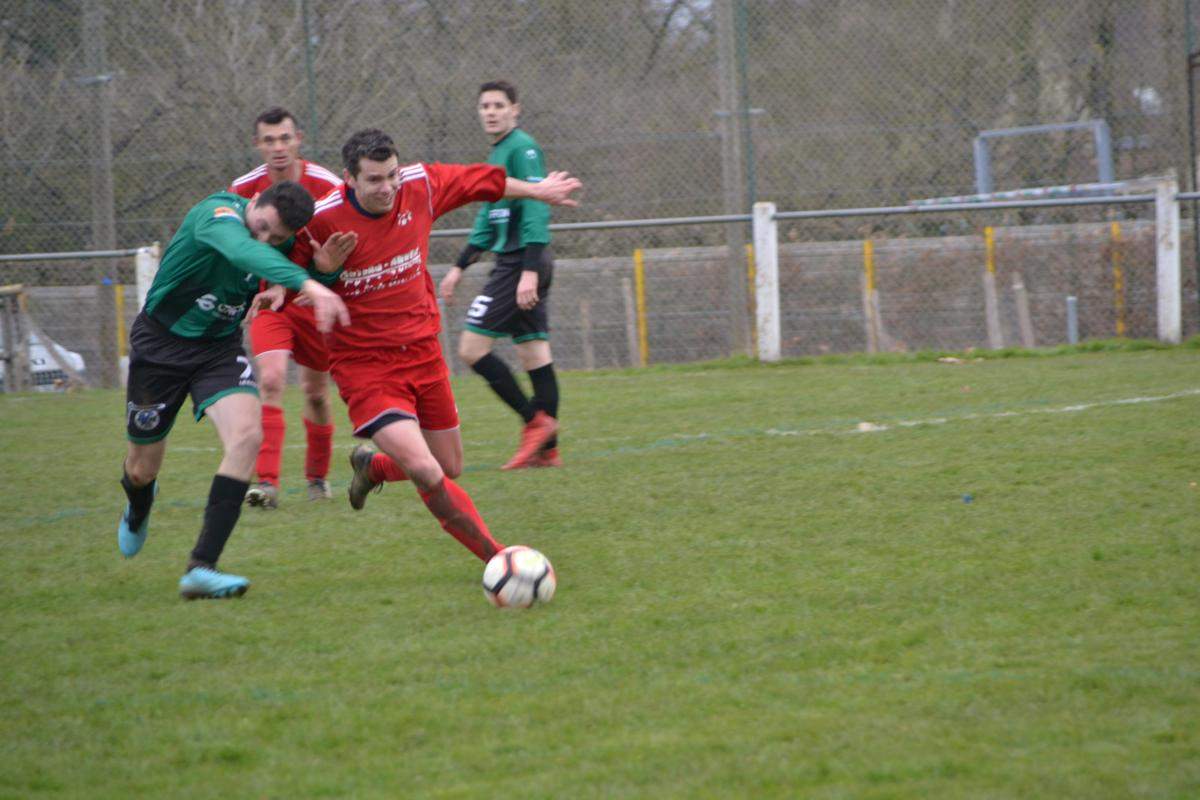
x,y
129,540
207,583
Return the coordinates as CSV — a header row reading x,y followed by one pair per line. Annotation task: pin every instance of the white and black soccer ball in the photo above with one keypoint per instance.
x,y
518,577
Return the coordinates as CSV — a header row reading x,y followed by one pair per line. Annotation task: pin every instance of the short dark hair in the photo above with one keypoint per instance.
x,y
372,144
291,200
509,90
274,116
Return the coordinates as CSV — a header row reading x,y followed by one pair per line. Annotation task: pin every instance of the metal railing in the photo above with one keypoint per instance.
x,y
764,268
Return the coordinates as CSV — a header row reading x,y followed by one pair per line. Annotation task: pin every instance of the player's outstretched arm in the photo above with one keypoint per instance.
x,y
328,308
555,189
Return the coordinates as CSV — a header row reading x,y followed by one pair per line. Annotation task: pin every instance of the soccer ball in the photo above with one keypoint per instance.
x,y
517,577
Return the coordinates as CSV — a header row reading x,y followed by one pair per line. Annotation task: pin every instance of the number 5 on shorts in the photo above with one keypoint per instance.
x,y
479,307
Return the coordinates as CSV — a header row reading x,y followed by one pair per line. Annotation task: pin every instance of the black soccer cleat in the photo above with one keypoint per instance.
x,y
361,484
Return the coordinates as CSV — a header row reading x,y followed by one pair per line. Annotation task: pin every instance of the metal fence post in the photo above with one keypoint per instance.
x,y
1072,319
1167,260
766,280
1024,318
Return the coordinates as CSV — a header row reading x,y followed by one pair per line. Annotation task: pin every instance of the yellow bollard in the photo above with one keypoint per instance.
x,y
869,264
1118,277
119,301
639,279
991,301
870,321
989,249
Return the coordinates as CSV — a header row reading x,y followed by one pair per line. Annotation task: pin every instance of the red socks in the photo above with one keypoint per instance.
x,y
316,459
320,447
384,470
454,510
271,452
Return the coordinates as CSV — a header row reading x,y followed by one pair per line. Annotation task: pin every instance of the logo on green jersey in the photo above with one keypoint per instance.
x,y
208,303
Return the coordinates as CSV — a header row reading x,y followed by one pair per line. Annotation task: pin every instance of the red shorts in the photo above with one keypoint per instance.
x,y
292,329
412,381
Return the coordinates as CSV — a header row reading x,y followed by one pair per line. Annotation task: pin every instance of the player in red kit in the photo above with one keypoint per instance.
x,y
291,331
388,363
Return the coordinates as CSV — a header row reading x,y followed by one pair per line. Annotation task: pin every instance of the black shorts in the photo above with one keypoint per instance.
x,y
164,368
494,312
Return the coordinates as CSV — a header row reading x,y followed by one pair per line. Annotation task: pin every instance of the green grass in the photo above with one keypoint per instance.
x,y
755,598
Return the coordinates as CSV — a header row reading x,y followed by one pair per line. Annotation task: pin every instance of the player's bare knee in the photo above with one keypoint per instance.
x,y
140,472
317,399
271,386
468,354
529,362
425,473
534,354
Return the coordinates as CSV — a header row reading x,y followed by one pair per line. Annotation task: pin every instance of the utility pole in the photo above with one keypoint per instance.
x,y
98,81
733,181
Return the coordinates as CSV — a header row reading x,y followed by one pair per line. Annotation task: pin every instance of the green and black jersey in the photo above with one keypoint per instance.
x,y
508,225
210,271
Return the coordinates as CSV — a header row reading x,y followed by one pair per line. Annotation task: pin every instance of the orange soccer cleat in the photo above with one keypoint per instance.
x,y
548,458
535,434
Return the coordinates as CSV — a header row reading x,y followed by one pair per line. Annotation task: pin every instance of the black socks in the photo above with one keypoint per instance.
x,y
220,515
501,379
545,388
545,394
140,500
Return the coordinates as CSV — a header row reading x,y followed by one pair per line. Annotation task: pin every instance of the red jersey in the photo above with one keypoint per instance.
x,y
317,180
385,282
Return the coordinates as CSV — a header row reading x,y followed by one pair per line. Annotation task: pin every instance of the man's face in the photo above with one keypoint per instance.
x,y
265,225
279,145
497,114
376,184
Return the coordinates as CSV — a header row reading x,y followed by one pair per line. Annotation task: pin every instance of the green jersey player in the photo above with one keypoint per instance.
x,y
514,301
187,340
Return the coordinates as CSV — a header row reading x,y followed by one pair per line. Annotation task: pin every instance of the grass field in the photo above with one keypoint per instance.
x,y
756,598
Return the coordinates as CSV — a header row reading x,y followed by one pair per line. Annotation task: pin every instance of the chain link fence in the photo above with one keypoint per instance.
x,y
931,293
117,117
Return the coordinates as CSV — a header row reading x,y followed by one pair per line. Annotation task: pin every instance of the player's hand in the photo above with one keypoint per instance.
x,y
330,256
328,308
527,291
556,189
271,298
449,283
